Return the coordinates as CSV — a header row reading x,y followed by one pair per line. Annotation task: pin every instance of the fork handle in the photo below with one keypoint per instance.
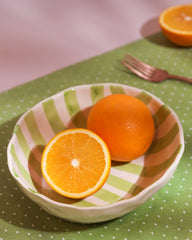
x,y
181,78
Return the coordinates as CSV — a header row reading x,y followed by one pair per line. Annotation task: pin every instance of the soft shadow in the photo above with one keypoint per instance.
x,y
116,163
150,27
151,31
79,120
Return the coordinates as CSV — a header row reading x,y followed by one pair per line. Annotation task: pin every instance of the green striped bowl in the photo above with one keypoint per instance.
x,y
129,184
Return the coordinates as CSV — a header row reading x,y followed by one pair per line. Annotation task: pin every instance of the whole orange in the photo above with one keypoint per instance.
x,y
125,123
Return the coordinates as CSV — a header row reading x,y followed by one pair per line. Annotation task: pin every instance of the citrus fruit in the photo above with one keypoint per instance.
x,y
76,163
176,24
125,124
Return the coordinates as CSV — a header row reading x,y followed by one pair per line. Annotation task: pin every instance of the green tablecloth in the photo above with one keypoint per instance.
x,y
168,214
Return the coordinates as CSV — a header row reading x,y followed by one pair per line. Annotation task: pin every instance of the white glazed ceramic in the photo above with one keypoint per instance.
x,y
129,184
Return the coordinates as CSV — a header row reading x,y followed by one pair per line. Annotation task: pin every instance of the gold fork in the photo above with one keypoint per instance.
x,y
148,72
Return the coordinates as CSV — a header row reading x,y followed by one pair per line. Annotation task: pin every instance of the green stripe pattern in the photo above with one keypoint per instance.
x,y
74,109
53,116
125,179
33,128
97,92
23,172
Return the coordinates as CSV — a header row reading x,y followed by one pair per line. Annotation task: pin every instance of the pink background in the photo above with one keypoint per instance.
x,y
40,36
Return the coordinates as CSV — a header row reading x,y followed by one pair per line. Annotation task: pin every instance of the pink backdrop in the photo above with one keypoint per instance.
x,y
40,36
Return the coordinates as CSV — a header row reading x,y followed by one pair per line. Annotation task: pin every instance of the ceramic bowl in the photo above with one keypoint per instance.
x,y
129,184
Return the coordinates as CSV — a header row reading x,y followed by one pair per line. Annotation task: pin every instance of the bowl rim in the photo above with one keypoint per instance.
x,y
141,195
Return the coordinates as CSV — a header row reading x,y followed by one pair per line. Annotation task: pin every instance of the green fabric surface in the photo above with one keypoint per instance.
x,y
167,215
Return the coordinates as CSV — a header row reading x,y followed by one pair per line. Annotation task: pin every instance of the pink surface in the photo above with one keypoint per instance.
x,y
41,36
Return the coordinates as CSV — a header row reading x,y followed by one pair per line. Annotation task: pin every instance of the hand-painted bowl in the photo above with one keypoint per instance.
x,y
129,184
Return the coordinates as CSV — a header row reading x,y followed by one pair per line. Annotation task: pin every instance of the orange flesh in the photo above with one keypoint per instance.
x,y
179,19
76,163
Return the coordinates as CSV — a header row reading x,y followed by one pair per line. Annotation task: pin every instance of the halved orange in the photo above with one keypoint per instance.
x,y
76,163
176,24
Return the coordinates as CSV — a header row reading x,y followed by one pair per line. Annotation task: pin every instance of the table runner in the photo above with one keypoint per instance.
x,y
167,215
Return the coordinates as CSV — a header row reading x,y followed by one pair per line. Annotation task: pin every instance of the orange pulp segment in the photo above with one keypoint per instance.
x,y
76,163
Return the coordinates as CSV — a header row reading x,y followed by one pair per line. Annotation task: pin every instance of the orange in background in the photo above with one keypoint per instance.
x,y
176,24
